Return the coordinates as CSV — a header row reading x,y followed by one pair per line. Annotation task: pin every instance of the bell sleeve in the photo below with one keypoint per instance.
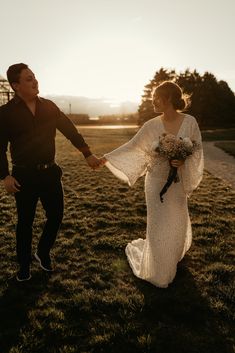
x,y
192,169
129,161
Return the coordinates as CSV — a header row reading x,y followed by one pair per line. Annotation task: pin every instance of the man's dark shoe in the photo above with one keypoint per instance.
x,y
23,274
44,262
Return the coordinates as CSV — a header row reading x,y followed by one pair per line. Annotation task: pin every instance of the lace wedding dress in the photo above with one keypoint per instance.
x,y
169,233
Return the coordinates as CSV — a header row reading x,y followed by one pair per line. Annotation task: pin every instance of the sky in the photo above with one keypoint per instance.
x,y
112,48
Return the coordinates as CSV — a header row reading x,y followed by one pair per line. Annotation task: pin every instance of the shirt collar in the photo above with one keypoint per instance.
x,y
17,99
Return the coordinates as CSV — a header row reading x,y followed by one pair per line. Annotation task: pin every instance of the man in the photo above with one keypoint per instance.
x,y
29,122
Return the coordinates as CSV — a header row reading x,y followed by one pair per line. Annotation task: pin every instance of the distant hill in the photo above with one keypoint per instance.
x,y
92,107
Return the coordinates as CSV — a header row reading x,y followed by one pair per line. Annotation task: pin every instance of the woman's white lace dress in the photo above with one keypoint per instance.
x,y
169,233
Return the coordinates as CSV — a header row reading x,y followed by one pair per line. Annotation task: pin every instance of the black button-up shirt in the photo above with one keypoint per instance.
x,y
32,137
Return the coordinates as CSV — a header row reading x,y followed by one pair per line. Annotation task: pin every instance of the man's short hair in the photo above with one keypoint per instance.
x,y
13,72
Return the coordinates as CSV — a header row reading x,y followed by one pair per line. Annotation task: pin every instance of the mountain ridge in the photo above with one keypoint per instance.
x,y
94,107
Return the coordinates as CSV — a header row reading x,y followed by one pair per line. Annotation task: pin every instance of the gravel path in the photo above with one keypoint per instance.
x,y
219,163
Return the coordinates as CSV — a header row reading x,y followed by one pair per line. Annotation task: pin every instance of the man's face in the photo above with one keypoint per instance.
x,y
27,85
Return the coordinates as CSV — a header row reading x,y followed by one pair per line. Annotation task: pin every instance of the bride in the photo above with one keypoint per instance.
x,y
168,234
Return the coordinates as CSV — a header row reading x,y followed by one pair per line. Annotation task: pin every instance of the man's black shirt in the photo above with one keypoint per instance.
x,y
32,137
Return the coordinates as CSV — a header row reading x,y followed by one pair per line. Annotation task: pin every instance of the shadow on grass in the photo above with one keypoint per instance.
x,y
15,303
178,319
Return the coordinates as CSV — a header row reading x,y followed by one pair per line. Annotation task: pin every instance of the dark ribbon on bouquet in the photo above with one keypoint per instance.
x,y
172,176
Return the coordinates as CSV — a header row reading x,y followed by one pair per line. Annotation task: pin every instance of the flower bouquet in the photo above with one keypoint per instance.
x,y
169,148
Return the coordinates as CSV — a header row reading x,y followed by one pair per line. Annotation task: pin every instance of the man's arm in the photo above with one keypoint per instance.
x,y
68,129
10,183
4,168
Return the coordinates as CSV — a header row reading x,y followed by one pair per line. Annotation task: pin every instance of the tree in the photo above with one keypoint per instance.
x,y
212,101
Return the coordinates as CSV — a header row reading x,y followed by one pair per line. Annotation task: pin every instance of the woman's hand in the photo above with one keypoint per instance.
x,y
177,162
103,160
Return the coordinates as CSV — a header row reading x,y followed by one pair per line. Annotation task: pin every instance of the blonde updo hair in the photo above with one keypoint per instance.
x,y
170,90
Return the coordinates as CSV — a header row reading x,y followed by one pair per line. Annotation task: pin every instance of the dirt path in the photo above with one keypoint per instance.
x,y
219,163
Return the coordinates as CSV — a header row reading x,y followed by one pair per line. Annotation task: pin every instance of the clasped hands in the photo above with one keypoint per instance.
x,y
95,162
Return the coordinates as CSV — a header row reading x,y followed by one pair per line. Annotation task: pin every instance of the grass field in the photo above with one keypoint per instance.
x,y
92,302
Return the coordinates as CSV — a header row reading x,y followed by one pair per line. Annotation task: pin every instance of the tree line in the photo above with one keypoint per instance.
x,y
212,101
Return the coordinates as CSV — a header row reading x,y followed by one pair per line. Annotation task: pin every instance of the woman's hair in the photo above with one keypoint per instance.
x,y
14,71
170,90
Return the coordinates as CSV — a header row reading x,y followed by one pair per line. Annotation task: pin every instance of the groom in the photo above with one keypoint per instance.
x,y
29,122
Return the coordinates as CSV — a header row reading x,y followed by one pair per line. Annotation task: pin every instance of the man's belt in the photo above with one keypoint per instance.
x,y
41,166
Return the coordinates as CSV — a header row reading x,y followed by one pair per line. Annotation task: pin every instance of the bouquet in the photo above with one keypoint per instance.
x,y
170,147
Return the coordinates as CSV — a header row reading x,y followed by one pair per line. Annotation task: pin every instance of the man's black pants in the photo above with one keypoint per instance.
x,y
44,185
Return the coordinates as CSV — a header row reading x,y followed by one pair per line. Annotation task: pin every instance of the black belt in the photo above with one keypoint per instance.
x,y
41,166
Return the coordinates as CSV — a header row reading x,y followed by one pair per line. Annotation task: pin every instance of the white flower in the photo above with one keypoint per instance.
x,y
187,142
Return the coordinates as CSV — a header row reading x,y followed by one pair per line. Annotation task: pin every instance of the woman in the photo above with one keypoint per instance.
x,y
169,234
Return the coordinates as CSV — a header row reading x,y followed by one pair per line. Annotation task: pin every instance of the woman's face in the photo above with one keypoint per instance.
x,y
160,103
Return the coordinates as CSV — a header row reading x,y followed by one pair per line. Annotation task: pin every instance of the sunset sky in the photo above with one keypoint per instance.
x,y
112,48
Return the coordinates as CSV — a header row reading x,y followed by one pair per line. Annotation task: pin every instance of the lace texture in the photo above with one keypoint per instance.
x,y
168,233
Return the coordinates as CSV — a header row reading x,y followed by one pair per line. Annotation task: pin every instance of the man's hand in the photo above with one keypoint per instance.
x,y
11,184
93,161
177,162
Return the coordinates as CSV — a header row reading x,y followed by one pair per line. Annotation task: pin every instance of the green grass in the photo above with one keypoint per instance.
x,y
227,146
92,302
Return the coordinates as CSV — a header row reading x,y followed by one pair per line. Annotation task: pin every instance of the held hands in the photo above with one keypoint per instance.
x,y
95,162
103,160
177,162
11,184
